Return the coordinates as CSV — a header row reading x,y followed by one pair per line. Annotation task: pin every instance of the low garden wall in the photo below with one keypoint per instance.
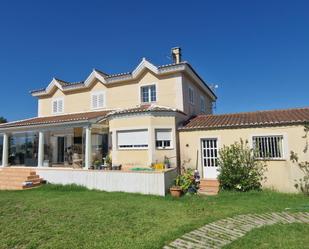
x,y
144,182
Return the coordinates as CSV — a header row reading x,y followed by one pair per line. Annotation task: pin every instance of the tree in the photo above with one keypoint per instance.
x,y
2,120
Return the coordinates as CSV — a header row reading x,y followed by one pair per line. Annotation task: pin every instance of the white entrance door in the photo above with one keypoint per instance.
x,y
209,148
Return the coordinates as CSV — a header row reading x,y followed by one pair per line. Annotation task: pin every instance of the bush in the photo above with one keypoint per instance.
x,y
239,169
302,184
186,181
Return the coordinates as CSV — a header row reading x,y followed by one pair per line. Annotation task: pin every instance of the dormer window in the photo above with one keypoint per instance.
x,y
98,100
148,94
57,106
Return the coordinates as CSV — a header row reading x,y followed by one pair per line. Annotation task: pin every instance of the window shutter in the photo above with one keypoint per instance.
x,y
55,106
60,106
132,138
100,99
162,135
94,101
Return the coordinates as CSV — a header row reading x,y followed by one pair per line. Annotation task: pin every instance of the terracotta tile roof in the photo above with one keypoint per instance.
x,y
245,119
146,108
86,116
66,118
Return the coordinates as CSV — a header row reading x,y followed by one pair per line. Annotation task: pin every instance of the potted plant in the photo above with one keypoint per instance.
x,y
167,163
184,183
97,164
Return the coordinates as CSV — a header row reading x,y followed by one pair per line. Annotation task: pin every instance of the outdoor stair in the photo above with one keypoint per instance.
x,y
16,179
209,187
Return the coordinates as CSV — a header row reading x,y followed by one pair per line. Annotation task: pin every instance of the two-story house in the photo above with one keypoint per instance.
x,y
143,117
134,116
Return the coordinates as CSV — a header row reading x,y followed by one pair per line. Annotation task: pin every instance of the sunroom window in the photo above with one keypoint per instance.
x,y
132,139
148,94
164,138
268,147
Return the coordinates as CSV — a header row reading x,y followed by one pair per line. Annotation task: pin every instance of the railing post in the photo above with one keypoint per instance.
x,y
5,151
41,149
88,152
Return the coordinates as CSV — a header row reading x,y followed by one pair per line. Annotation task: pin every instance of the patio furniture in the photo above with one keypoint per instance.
x,y
106,166
116,167
77,161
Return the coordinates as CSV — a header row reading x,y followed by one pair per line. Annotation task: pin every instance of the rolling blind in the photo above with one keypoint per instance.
x,y
164,134
132,138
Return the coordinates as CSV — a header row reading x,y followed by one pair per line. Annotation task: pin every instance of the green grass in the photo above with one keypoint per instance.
x,y
292,236
73,217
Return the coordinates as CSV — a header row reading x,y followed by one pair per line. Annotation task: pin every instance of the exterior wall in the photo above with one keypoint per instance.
x,y
122,95
151,183
194,109
281,173
143,156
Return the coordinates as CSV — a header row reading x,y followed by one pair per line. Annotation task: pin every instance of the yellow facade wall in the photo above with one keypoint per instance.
x,y
281,173
143,157
120,95
195,109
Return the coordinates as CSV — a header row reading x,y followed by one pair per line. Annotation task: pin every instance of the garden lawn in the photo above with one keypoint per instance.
x,y
279,236
73,217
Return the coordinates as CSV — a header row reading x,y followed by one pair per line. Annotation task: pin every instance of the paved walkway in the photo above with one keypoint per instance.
x,y
222,232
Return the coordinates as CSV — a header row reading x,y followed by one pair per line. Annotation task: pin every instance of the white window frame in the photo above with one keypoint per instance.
x,y
171,139
57,101
97,93
149,93
191,90
211,157
285,148
202,104
134,147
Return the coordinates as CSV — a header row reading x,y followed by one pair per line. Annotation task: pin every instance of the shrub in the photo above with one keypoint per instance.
x,y
302,184
186,181
239,169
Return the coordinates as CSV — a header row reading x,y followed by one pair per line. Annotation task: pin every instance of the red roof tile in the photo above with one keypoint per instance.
x,y
274,117
66,118
56,119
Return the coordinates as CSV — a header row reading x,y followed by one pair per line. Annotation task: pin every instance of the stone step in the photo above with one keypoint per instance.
x,y
19,177
15,178
209,183
8,169
10,181
209,188
207,193
14,173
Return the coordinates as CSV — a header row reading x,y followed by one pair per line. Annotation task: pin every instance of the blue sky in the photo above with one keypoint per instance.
x,y
256,51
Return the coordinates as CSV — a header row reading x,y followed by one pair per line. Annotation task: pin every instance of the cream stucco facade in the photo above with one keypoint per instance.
x,y
145,156
107,113
172,91
281,174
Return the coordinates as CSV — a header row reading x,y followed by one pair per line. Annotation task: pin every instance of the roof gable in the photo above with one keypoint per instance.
x,y
97,75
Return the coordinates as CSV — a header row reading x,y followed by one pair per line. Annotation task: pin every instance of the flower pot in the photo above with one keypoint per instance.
x,y
176,191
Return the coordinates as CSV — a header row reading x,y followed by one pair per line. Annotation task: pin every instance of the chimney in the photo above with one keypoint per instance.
x,y
176,55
